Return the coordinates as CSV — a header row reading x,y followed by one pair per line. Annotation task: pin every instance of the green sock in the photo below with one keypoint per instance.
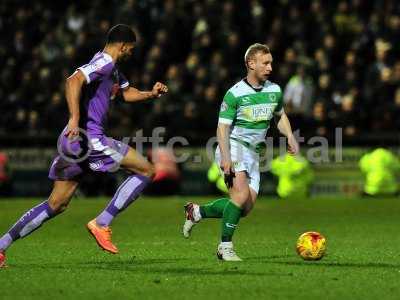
x,y
214,209
230,219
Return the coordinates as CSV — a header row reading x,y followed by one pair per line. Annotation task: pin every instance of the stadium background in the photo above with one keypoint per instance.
x,y
347,53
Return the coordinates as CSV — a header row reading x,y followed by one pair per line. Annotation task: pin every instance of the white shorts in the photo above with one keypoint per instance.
x,y
243,159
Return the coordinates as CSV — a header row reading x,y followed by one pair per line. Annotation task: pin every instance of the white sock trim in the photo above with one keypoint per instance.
x,y
226,244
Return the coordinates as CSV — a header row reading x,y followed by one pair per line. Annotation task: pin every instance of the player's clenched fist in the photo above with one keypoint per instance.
x,y
293,145
159,89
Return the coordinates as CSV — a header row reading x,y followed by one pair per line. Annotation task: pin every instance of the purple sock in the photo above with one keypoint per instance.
x,y
28,223
128,192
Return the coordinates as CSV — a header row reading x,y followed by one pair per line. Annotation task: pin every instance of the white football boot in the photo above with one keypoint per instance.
x,y
225,252
193,216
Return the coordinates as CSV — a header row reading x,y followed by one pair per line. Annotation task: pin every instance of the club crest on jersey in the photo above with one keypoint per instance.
x,y
245,100
272,97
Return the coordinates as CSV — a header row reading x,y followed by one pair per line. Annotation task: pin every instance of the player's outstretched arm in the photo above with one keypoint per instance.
x,y
132,94
73,87
285,128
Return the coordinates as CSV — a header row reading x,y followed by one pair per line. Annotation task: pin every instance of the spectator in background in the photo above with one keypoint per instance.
x,y
375,71
298,94
347,116
319,121
288,67
395,108
324,90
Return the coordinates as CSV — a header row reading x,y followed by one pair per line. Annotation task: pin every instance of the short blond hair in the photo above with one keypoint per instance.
x,y
253,50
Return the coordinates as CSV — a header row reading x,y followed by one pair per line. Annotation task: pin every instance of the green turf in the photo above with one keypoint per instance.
x,y
60,261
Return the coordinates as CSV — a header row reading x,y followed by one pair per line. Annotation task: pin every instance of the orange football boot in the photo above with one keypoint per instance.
x,y
102,236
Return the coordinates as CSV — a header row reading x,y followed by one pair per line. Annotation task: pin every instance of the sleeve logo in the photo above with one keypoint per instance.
x,y
224,106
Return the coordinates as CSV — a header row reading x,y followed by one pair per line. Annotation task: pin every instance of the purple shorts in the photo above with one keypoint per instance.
x,y
75,157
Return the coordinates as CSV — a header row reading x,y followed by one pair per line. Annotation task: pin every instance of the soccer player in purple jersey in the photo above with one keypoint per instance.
x,y
83,145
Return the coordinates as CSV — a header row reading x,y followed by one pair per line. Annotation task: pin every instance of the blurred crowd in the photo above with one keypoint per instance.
x,y
338,62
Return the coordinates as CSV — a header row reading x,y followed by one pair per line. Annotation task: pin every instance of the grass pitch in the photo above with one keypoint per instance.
x,y
61,260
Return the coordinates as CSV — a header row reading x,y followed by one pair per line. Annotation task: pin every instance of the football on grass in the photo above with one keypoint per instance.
x,y
311,245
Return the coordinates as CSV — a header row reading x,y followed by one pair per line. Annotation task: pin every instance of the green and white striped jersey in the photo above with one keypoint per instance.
x,y
249,111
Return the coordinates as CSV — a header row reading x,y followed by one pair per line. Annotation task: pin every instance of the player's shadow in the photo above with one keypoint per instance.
x,y
266,258
152,266
131,262
155,266
160,266
185,271
271,260
97,264
341,265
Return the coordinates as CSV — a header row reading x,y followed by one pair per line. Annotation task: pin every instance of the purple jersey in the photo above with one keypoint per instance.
x,y
103,83
94,152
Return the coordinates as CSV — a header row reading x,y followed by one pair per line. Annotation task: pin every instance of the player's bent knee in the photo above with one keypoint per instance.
x,y
58,206
239,200
149,171
241,197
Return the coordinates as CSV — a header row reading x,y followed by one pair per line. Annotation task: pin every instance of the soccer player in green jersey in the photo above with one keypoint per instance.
x,y
245,115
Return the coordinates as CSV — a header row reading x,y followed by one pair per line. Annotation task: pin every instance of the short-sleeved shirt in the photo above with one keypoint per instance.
x,y
103,82
250,110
